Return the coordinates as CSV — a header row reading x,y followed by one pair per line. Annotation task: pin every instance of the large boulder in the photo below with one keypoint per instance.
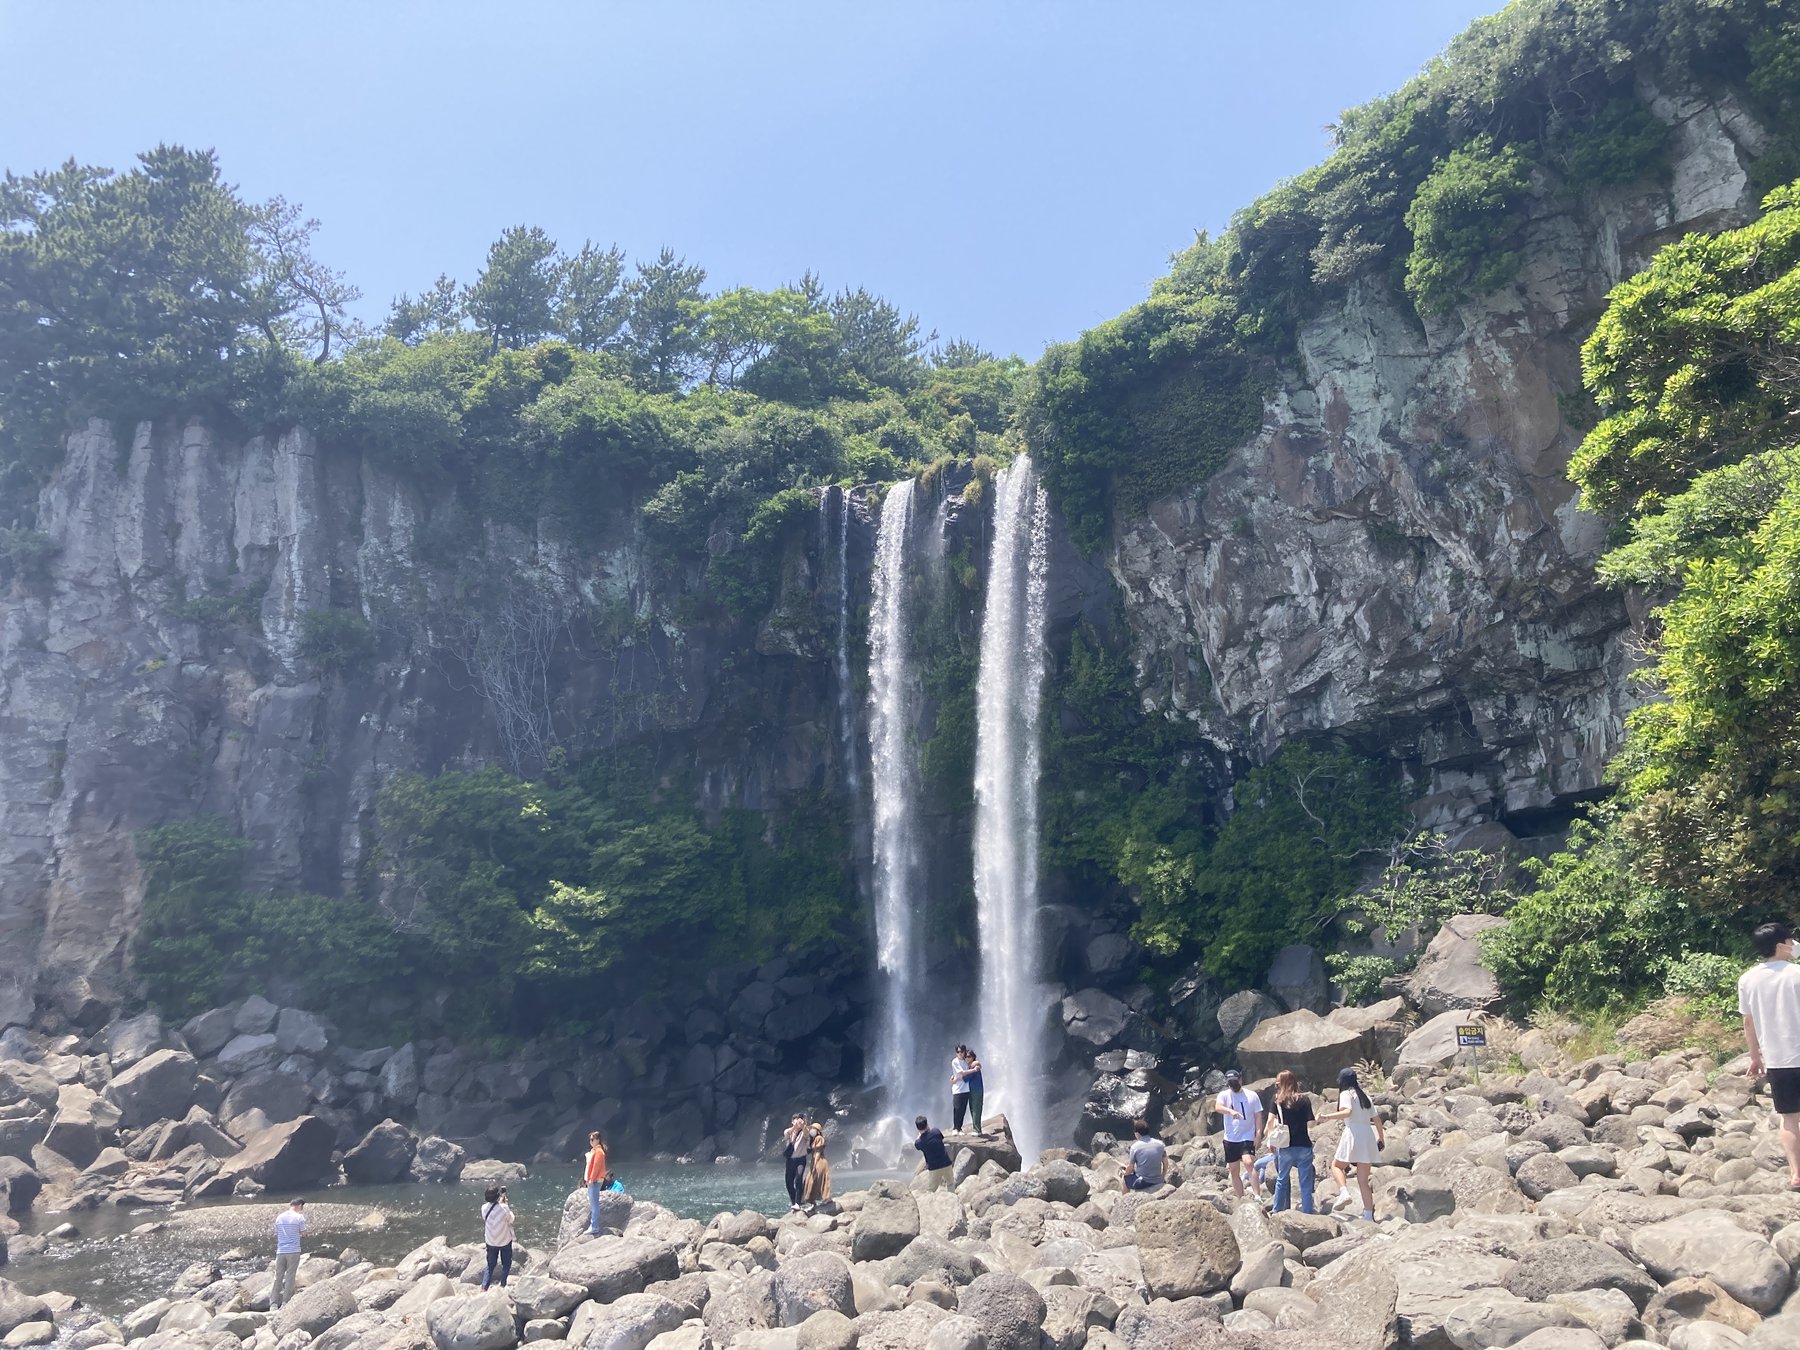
x,y
1008,1310
632,1323
276,1095
300,1033
1357,1298
1296,979
1302,1041
812,1283
615,1213
131,1039
384,1154
888,1220
314,1309
84,1123
1239,1013
1568,1264
22,1082
20,1184
610,1267
288,1156
158,1086
996,1146
246,1051
438,1160
1434,1043
17,1308
1452,974
1187,1248
400,1077
209,1033
1707,1244
1095,1016
484,1322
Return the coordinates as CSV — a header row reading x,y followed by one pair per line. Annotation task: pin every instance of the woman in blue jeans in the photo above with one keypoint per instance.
x,y
1294,1109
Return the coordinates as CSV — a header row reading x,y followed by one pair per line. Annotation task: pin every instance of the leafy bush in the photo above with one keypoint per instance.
x,y
203,940
1460,218
337,641
1708,980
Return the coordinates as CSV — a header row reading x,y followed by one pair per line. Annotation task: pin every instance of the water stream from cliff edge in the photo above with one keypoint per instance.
x,y
1009,698
112,1271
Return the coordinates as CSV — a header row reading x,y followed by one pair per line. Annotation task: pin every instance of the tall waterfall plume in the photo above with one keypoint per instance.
x,y
846,700
897,1063
1009,694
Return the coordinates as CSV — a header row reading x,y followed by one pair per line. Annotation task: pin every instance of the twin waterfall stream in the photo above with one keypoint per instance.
x,y
910,1057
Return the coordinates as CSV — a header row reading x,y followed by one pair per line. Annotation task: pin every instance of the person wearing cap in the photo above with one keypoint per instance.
x,y
1243,1113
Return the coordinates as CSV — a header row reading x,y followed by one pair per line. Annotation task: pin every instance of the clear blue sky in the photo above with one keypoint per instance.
x,y
1012,172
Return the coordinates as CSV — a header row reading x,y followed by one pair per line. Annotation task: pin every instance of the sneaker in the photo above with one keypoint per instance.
x,y
1369,1214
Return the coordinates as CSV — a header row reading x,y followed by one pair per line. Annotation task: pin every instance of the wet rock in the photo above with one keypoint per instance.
x,y
384,1154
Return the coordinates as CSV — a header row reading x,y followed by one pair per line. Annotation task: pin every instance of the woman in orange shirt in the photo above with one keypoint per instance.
x,y
596,1179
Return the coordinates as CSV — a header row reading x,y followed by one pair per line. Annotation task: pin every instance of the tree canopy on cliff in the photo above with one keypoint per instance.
x,y
1426,192
1696,367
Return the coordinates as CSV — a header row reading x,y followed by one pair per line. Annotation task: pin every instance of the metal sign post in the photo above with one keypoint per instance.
x,y
1472,1037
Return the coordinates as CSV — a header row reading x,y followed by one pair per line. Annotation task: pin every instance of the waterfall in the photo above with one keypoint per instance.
x,y
893,714
1009,710
846,712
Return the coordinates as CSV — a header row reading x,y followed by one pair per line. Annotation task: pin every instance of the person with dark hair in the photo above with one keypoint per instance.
x,y
1148,1153
497,1233
1243,1113
595,1177
1294,1154
289,1225
1769,1000
794,1144
1361,1144
938,1173
965,1088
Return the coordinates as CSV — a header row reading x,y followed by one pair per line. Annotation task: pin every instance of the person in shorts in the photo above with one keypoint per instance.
x,y
1243,1113
1769,999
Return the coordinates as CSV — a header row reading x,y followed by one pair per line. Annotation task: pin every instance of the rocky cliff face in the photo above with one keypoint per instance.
x,y
1396,557
1399,556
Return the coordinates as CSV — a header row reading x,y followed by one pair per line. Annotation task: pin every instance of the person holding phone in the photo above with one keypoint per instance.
x,y
497,1232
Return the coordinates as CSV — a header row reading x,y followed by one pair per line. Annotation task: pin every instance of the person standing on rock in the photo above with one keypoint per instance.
x,y
1769,999
1361,1144
1243,1113
289,1225
794,1145
1293,1114
595,1176
966,1087
818,1168
497,1233
939,1175
1148,1153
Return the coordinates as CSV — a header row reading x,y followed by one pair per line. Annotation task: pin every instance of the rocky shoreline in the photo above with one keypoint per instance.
x,y
1566,1206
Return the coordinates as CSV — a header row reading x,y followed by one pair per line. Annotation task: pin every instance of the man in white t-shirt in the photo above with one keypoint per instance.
x,y
289,1225
1243,1112
1769,999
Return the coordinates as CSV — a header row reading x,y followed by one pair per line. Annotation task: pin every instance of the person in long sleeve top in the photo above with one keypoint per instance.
x,y
595,1176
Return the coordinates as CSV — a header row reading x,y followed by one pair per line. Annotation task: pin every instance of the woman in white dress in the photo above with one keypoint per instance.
x,y
1362,1141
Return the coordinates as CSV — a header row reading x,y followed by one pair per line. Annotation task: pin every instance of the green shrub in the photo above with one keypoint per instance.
x,y
337,641
1460,219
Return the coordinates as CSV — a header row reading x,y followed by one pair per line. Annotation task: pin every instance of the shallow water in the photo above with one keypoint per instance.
x,y
109,1268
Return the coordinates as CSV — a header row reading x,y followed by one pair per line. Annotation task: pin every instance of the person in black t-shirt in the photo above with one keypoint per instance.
x,y
1293,1109
938,1175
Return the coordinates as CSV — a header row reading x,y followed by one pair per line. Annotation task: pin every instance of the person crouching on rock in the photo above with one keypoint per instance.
x,y
938,1173
497,1232
595,1177
1148,1153
794,1145
289,1225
